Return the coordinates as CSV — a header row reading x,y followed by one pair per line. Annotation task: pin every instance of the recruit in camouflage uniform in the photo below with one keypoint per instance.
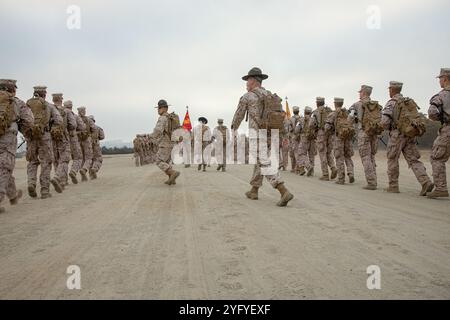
x,y
39,144
251,102
367,135
440,111
161,136
285,145
15,116
61,145
85,138
306,151
202,136
97,159
324,140
342,128
75,128
221,135
399,143
294,140
137,151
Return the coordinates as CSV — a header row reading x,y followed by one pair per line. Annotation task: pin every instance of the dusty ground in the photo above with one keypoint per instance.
x,y
134,237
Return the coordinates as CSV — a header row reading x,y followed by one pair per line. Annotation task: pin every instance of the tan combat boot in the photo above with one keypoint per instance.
x,y
392,189
32,191
204,168
325,178
333,173
370,187
438,194
219,167
15,201
199,167
252,194
286,196
351,179
83,175
56,185
427,188
301,171
73,177
341,182
45,194
310,172
173,175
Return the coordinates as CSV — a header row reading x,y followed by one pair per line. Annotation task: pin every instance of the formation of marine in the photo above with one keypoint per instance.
x,y
61,143
327,132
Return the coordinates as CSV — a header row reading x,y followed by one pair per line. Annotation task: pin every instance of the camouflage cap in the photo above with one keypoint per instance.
x,y
296,109
57,95
395,84
81,109
40,88
68,104
219,120
91,117
8,82
338,100
445,72
366,88
308,110
320,99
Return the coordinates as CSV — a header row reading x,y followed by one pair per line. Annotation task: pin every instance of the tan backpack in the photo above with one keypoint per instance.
x,y
271,113
407,118
323,117
343,126
173,123
59,132
371,119
41,116
309,132
7,112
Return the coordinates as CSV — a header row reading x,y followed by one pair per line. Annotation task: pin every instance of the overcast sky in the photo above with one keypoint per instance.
x,y
129,54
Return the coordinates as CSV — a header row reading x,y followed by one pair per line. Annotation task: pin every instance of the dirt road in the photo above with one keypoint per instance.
x,y
134,237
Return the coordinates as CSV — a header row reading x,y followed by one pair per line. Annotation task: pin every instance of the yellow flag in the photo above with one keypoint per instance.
x,y
288,112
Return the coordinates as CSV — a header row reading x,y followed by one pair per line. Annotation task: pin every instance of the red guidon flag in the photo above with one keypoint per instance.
x,y
187,121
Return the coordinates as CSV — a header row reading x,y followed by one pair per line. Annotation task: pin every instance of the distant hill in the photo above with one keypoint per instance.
x,y
116,144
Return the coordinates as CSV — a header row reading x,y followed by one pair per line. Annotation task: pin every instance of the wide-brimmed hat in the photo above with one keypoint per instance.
x,y
203,120
162,104
255,73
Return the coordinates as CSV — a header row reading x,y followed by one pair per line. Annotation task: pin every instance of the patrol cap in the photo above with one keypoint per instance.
x,y
320,99
445,72
338,100
68,104
296,109
162,104
57,95
366,88
81,109
219,120
308,110
395,84
91,117
8,83
40,89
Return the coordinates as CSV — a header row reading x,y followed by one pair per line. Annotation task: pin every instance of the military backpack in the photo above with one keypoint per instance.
x,y
41,115
271,113
371,118
173,123
343,126
7,112
407,118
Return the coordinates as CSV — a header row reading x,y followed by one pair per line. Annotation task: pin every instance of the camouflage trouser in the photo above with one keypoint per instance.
x,y
7,181
397,145
97,159
86,148
439,156
264,163
61,152
221,157
40,152
163,157
293,147
306,153
285,148
325,148
77,154
136,159
368,147
343,151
